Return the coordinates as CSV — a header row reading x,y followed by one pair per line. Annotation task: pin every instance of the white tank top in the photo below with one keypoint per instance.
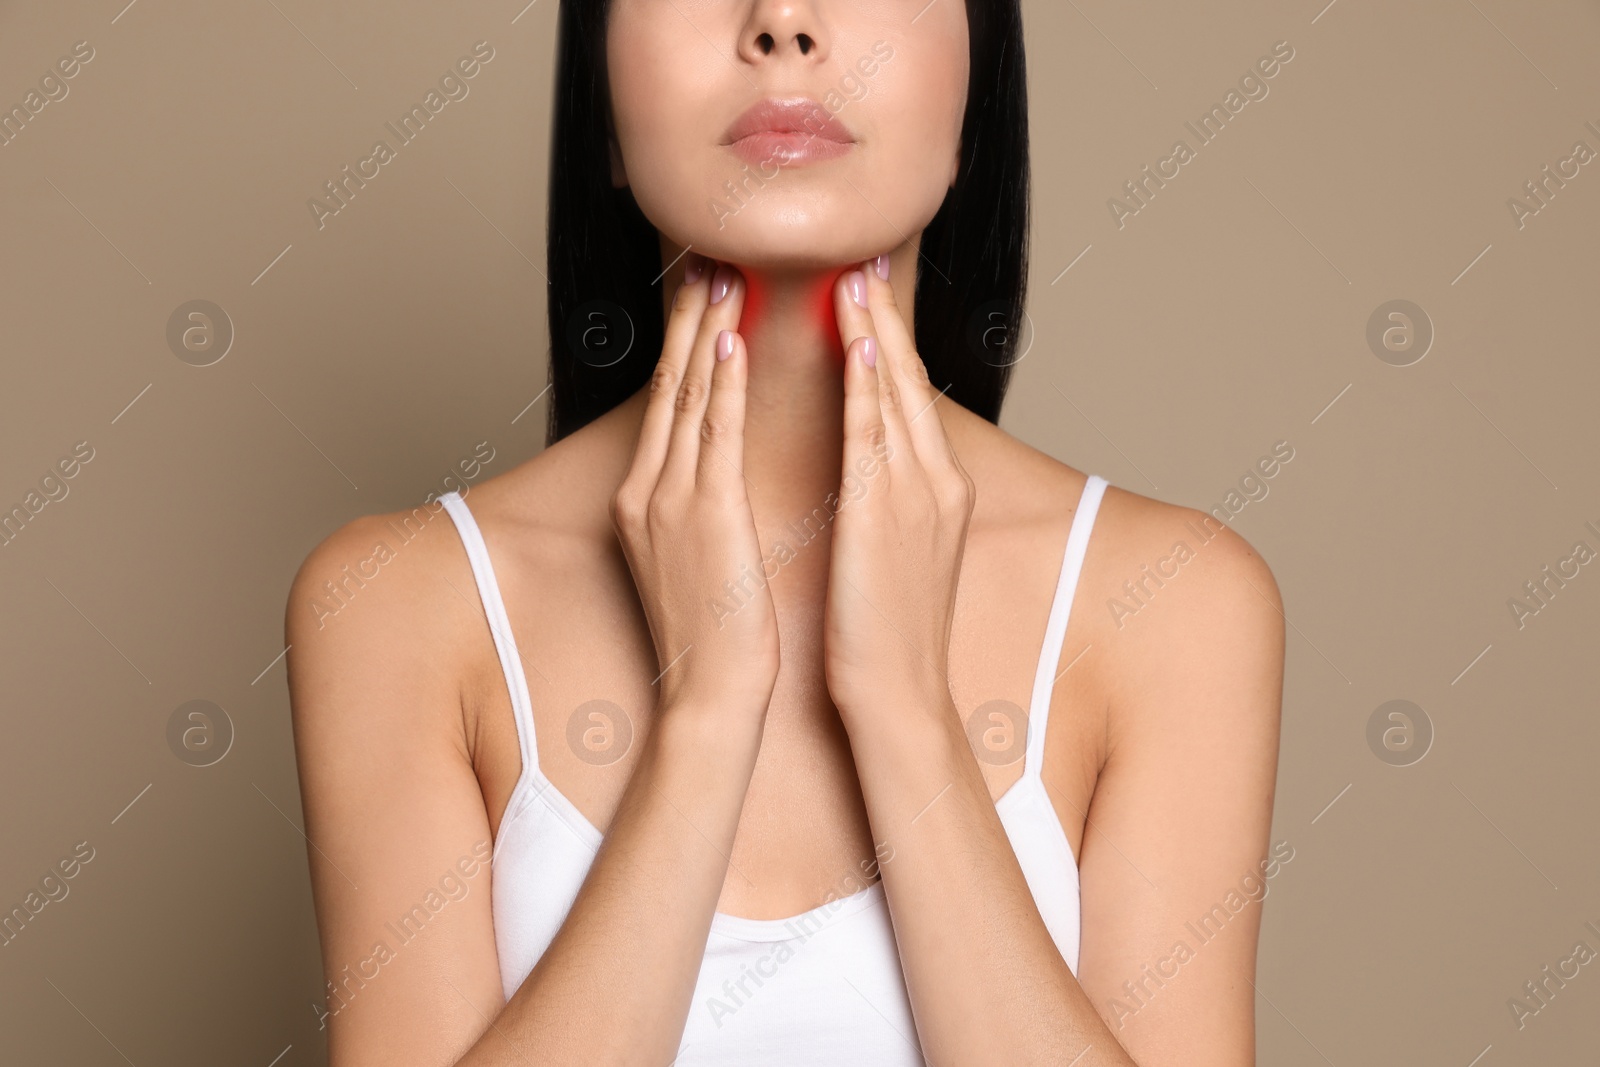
x,y
821,987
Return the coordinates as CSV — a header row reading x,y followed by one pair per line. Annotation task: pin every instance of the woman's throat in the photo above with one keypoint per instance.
x,y
782,310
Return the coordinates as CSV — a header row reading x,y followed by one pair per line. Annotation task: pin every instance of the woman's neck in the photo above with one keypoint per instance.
x,y
794,413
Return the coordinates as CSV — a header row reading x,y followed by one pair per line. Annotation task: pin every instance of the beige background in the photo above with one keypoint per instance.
x,y
1229,314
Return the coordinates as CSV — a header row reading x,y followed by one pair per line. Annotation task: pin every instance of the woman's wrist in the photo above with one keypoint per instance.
x,y
718,727
921,706
909,747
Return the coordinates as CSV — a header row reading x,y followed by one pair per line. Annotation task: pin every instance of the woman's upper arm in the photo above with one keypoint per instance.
x,y
399,838
1175,860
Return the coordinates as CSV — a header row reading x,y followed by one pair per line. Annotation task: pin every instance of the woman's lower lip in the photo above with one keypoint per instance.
x,y
772,148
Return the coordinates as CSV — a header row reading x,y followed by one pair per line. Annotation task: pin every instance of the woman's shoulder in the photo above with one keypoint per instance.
x,y
538,506
385,621
374,583
1135,538
1167,595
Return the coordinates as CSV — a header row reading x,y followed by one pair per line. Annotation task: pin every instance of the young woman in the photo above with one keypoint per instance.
x,y
807,716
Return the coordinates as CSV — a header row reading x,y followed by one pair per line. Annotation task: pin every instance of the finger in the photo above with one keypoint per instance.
x,y
866,441
683,325
855,321
725,303
910,374
722,431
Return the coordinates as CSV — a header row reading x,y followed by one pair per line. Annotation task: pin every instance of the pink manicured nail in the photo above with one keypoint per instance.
x,y
693,267
869,351
721,283
883,266
724,345
857,283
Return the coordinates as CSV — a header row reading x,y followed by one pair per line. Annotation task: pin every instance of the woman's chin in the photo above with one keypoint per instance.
x,y
778,247
780,262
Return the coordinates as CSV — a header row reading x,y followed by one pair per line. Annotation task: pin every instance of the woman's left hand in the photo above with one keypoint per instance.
x,y
901,528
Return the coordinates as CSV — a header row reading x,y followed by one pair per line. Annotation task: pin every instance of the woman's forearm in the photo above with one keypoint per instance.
x,y
957,896
617,981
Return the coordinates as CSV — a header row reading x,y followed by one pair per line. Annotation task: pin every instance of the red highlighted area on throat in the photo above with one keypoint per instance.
x,y
815,306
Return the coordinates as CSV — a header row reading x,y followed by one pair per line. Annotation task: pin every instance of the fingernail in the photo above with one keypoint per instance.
x,y
869,351
857,284
883,266
693,267
724,345
721,283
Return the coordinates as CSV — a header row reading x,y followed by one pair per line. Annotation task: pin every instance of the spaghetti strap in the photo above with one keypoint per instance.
x,y
499,624
1056,629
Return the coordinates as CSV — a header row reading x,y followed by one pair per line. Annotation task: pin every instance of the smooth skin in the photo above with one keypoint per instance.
x,y
780,748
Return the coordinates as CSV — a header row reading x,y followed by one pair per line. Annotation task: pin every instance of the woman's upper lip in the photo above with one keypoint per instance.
x,y
793,115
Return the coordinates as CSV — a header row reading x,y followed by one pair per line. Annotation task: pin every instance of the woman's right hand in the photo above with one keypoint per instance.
x,y
682,514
